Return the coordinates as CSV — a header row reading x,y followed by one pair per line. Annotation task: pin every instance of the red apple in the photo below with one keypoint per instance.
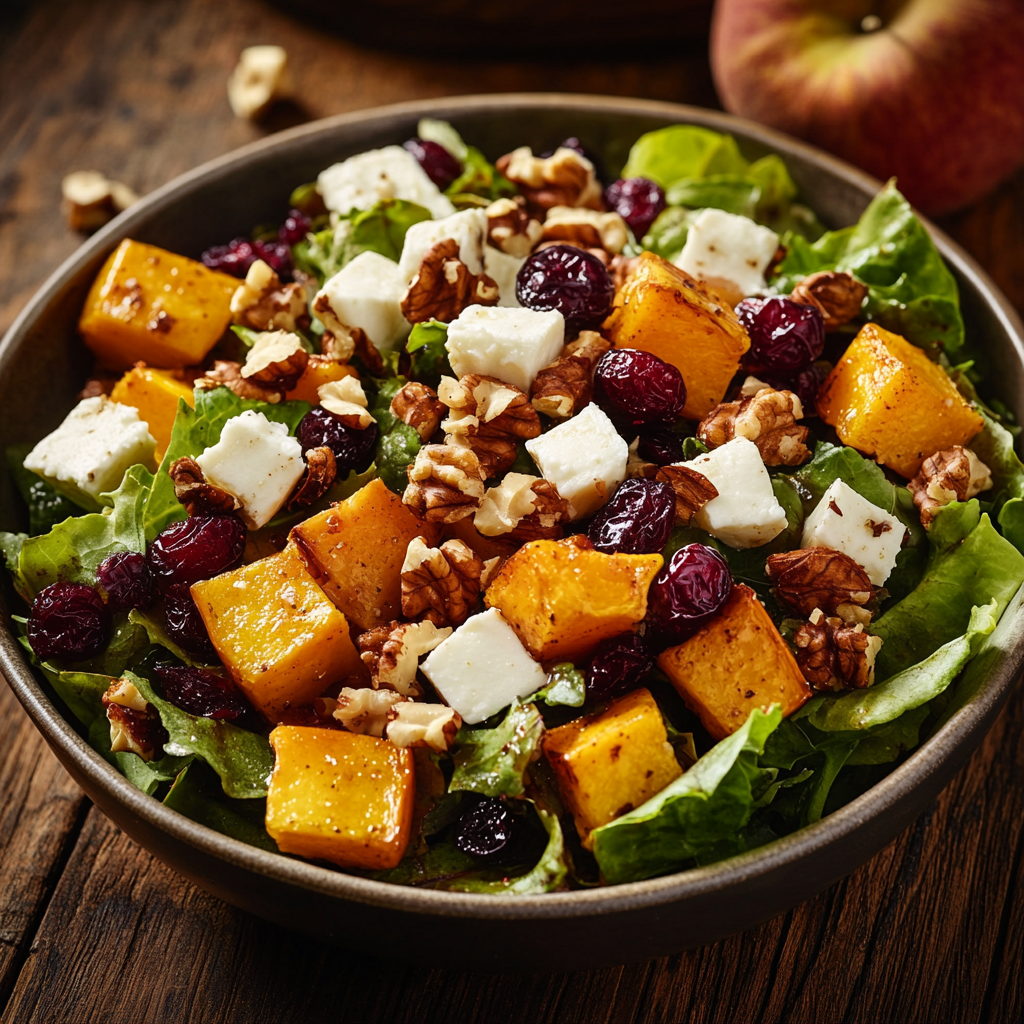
x,y
931,91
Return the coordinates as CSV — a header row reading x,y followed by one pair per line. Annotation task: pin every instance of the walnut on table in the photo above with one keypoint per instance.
x,y
835,656
443,585
444,286
954,474
446,483
563,388
767,418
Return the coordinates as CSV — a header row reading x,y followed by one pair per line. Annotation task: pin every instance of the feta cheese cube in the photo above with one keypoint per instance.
x,y
88,454
846,521
363,180
584,457
512,344
746,513
468,228
721,244
482,667
256,461
503,270
367,293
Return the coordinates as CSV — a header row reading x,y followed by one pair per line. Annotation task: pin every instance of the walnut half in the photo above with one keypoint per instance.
x,y
134,723
446,483
954,474
834,656
263,303
563,388
768,418
821,578
192,490
443,585
693,490
226,373
510,227
444,286
837,294
418,407
321,470
563,179
364,710
411,724
523,508
276,360
392,652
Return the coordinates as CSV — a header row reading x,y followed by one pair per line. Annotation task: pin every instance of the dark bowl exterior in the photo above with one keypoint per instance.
x,y
42,366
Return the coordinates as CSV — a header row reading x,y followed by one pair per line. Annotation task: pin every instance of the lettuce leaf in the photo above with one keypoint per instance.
x,y
398,443
46,505
566,686
492,761
995,447
709,804
428,355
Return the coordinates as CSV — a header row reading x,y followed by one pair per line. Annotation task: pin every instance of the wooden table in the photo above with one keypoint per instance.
x,y
93,928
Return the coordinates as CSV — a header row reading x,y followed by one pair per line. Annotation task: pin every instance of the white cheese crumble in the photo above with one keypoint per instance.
x,y
468,228
503,270
726,245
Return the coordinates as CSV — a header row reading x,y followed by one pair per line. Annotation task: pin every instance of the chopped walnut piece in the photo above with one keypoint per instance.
x,y
411,724
90,199
768,418
488,416
446,483
192,490
444,286
563,179
954,474
263,303
443,585
562,389
837,294
418,406
134,723
834,656
510,227
339,340
276,360
321,470
693,490
751,385
229,374
586,228
365,710
523,508
820,578
392,652
346,399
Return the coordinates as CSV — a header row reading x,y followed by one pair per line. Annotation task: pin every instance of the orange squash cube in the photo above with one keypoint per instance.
x,y
320,370
278,634
661,309
150,304
341,797
887,398
736,663
355,551
562,597
607,764
155,393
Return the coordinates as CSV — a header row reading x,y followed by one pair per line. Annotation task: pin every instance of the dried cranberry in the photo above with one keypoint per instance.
x,y
638,201
617,665
636,388
805,384
240,254
185,625
126,580
69,621
486,830
569,280
687,593
440,166
295,228
638,519
784,335
202,692
353,448
661,445
197,548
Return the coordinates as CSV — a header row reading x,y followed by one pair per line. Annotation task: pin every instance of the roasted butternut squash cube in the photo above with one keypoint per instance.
x,y
355,551
887,398
281,638
150,304
319,371
736,663
562,597
155,393
340,796
609,763
661,309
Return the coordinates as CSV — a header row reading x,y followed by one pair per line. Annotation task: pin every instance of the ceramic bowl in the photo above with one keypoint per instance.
x,y
42,366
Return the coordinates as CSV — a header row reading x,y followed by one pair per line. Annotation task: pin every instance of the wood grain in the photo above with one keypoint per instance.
x,y
92,928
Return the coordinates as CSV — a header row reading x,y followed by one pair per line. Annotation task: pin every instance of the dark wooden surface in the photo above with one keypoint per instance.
x,y
92,928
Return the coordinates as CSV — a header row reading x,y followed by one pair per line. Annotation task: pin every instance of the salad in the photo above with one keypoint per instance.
x,y
507,528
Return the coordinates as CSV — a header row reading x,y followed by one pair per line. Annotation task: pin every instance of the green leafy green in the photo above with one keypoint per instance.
x,y
492,761
479,180
703,808
682,152
566,686
396,451
431,129
46,505
667,235
429,357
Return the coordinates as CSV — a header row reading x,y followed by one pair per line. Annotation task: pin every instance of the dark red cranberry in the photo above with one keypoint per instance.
x,y
567,279
638,519
440,166
295,228
197,548
618,665
638,201
636,388
686,593
353,448
486,830
126,580
784,335
661,445
185,625
805,384
240,254
69,621
202,692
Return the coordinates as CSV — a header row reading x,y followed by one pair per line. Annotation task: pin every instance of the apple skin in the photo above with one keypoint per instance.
x,y
934,97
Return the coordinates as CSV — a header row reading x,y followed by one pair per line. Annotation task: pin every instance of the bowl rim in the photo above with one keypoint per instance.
x,y
762,861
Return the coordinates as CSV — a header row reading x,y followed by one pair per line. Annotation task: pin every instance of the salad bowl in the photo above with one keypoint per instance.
x,y
42,365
